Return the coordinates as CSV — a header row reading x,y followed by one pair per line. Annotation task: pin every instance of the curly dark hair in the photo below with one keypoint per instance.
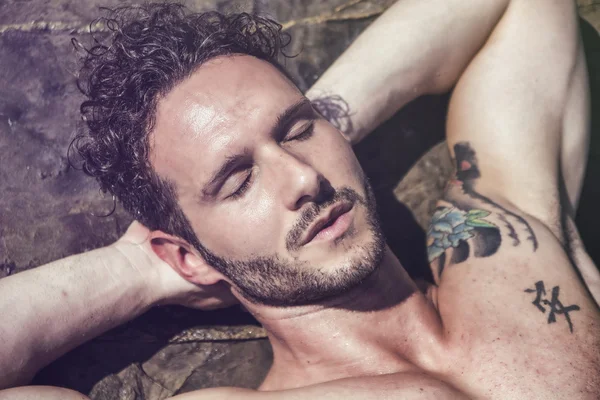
x,y
152,48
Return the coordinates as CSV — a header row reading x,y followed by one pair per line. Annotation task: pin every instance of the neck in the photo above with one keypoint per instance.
x,y
384,325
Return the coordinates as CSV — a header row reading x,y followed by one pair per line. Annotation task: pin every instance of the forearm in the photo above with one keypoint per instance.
x,y
51,309
416,47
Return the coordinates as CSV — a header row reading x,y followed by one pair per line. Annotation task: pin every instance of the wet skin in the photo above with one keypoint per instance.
x,y
255,167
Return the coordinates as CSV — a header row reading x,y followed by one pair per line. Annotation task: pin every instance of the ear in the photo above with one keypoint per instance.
x,y
184,259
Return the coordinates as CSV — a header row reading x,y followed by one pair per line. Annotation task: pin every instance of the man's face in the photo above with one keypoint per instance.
x,y
272,190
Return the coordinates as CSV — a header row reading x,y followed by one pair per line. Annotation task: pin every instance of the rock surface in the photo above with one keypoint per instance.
x,y
49,210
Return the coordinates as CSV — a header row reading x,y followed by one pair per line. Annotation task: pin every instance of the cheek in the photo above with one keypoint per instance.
x,y
260,224
245,230
337,158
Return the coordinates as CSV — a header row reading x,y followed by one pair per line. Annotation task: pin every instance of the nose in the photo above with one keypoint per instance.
x,y
298,181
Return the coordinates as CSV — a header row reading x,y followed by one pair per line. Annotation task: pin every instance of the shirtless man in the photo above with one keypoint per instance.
x,y
282,217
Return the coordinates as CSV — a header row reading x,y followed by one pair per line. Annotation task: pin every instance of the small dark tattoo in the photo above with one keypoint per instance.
x,y
335,110
512,233
554,304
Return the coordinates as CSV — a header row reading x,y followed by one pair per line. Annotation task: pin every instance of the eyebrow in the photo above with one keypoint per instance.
x,y
287,116
277,131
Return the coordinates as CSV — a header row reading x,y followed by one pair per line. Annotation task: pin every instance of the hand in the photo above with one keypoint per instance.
x,y
164,284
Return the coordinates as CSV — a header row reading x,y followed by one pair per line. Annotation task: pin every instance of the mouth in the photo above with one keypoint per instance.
x,y
332,225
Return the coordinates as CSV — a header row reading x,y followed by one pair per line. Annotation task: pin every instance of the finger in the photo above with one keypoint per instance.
x,y
137,233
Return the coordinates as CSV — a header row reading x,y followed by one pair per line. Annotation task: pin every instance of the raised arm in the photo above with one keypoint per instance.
x,y
502,241
414,48
51,309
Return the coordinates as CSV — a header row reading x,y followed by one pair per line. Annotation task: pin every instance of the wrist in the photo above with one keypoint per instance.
x,y
132,266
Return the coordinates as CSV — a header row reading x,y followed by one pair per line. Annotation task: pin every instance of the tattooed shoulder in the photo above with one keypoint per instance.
x,y
467,232
469,224
553,306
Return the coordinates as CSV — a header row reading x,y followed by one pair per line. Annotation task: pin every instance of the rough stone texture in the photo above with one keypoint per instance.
x,y
49,210
590,10
181,368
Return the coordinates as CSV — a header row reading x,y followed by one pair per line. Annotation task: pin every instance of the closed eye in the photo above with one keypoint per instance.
x,y
305,134
242,188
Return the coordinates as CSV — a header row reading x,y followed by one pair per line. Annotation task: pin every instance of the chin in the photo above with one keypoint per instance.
x,y
339,274
320,270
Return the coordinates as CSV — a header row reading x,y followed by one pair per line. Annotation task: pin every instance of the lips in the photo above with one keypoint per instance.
x,y
329,218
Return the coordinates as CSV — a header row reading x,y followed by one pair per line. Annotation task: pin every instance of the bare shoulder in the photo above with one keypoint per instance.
x,y
393,386
220,393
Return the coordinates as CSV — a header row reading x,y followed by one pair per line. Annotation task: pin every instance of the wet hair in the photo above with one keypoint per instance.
x,y
150,49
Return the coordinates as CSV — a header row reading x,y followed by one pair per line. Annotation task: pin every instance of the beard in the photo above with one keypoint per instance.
x,y
275,282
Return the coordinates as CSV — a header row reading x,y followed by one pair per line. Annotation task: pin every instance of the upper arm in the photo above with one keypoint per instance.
x,y
494,242
510,102
505,127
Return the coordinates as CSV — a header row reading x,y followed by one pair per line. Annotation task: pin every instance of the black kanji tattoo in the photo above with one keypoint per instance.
x,y
556,307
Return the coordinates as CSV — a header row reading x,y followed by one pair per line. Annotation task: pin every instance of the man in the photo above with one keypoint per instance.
x,y
252,196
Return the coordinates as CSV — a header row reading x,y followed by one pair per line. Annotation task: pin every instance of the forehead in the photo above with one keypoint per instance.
x,y
223,105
